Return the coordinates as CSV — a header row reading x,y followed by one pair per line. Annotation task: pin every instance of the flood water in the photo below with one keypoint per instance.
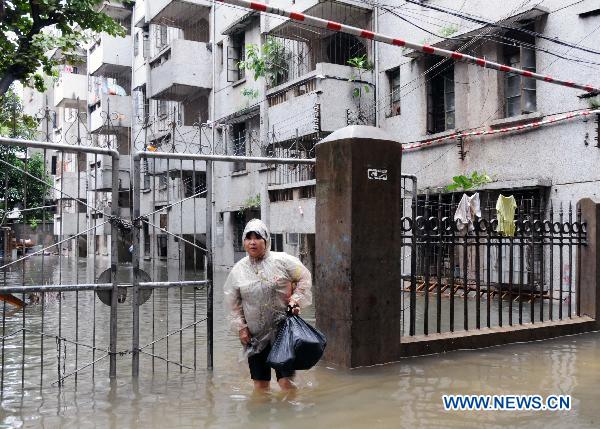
x,y
403,394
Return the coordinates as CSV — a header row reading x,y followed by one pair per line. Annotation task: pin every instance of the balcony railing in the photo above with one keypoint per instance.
x,y
110,114
318,102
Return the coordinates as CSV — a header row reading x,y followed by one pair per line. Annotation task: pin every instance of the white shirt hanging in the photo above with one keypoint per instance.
x,y
468,209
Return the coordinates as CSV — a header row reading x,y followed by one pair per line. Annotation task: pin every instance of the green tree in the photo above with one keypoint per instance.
x,y
466,182
31,28
16,187
269,61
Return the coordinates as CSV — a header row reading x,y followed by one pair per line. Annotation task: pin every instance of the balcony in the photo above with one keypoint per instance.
x,y
65,186
100,179
110,56
318,101
178,13
110,114
188,139
116,10
181,71
70,91
69,222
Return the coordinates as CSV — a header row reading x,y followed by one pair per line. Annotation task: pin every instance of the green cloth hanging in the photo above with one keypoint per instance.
x,y
505,210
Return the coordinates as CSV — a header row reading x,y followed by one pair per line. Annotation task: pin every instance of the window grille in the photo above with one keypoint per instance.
x,y
519,91
440,101
394,79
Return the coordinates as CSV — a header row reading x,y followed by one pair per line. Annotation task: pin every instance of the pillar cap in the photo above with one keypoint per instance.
x,y
358,132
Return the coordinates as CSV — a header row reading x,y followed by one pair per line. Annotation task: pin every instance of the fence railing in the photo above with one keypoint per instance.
x,y
480,277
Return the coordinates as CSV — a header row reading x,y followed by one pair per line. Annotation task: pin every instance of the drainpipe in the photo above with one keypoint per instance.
x,y
376,61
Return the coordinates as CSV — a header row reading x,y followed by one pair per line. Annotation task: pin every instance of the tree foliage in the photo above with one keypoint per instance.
x,y
362,65
17,189
31,28
269,61
467,182
13,121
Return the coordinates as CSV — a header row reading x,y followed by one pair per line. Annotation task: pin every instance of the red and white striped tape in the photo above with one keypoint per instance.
x,y
366,34
486,132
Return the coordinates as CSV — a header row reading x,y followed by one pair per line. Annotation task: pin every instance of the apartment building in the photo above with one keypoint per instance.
x,y
424,98
164,86
62,116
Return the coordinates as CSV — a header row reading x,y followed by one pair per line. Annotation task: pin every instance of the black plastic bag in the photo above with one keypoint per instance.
x,y
297,346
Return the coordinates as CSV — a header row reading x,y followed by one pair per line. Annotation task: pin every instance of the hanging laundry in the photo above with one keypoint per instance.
x,y
505,210
468,208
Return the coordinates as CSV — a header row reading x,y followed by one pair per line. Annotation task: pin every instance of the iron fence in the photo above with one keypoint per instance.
x,y
479,276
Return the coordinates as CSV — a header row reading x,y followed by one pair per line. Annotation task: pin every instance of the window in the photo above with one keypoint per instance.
x,y
161,245
235,55
292,238
162,182
239,144
146,42
277,242
308,191
440,100
53,164
239,222
162,37
136,45
194,183
219,57
519,92
281,195
394,79
162,108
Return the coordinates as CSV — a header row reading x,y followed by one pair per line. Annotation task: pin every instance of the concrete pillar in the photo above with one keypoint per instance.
x,y
358,233
589,279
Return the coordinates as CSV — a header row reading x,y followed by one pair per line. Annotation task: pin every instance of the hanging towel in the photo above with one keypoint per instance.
x,y
468,208
505,210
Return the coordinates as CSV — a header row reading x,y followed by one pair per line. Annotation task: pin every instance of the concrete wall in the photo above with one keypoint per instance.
x,y
69,88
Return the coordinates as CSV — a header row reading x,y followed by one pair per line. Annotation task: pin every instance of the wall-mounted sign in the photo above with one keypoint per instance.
x,y
376,174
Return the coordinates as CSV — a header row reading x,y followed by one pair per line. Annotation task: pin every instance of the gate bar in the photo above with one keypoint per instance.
x,y
114,262
135,344
58,146
226,158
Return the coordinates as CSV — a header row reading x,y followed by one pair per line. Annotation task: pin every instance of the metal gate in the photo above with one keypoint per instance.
x,y
69,312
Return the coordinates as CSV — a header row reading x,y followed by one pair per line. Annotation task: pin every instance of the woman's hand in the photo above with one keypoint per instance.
x,y
245,336
295,307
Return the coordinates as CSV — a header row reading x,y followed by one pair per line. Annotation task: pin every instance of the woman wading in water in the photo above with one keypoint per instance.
x,y
258,291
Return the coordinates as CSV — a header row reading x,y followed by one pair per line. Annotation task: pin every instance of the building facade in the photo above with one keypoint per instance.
x,y
197,77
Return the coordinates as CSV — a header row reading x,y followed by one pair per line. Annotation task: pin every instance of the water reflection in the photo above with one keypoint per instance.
x,y
406,394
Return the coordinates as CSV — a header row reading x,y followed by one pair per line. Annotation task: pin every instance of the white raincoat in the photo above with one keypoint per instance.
x,y
257,291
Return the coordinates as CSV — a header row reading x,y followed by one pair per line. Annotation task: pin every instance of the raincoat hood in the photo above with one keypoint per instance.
x,y
258,226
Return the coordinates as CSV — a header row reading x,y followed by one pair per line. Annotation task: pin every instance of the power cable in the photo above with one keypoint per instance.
x,y
482,21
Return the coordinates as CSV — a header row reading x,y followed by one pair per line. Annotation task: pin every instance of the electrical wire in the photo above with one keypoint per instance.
x,y
482,21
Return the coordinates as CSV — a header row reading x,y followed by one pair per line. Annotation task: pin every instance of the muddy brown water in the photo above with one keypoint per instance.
x,y
404,394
